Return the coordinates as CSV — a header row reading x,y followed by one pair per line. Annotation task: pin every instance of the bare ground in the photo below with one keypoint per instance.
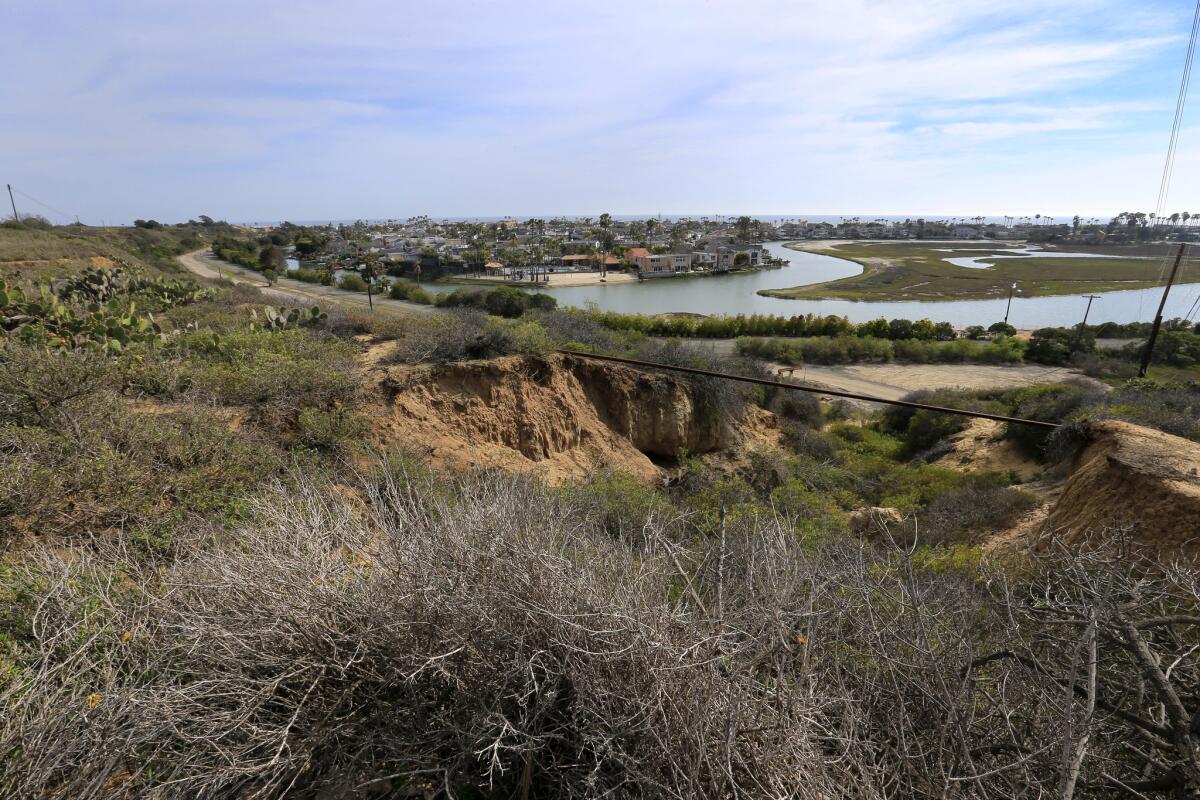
x,y
893,381
286,290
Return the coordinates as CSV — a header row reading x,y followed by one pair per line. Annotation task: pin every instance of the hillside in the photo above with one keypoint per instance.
x,y
251,552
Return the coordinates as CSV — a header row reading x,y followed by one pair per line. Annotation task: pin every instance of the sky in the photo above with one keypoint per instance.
x,y
262,110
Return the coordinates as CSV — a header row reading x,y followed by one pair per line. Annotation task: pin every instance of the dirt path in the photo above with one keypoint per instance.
x,y
893,381
286,290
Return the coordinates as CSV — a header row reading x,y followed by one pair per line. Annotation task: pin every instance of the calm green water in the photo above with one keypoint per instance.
x,y
738,294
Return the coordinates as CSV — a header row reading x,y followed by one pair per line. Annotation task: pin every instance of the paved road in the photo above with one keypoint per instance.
x,y
286,290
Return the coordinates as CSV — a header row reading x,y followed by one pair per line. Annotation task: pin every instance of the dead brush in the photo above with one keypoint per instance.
x,y
487,639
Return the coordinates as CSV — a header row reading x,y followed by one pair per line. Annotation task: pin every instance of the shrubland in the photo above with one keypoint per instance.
x,y
217,583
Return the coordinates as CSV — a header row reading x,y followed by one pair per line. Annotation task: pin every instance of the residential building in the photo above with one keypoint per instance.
x,y
662,265
728,256
590,261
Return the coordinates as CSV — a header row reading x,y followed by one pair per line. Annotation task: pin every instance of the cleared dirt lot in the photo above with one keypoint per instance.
x,y
893,381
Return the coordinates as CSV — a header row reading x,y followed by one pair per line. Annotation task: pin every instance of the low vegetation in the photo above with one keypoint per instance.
x,y
921,271
733,327
217,581
866,349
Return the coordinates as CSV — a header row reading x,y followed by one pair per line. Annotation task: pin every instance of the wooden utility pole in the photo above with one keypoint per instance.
x,y
16,217
1082,325
1008,308
1148,353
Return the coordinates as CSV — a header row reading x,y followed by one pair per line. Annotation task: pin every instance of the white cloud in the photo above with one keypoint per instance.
x,y
303,109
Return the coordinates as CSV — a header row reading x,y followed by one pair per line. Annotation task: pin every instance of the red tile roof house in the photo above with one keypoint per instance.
x,y
658,266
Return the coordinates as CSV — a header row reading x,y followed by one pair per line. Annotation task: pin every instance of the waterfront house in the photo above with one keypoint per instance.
x,y
661,265
665,265
590,261
729,256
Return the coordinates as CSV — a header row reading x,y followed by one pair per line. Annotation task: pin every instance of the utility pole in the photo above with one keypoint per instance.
x,y
16,217
1148,353
1008,308
1082,325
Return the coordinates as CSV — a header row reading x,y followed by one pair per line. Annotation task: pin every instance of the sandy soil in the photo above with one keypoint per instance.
x,y
893,381
286,290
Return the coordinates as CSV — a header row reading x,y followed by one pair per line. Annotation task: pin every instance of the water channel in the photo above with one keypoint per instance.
x,y
737,293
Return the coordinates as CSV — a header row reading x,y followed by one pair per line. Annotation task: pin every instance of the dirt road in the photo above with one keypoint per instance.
x,y
893,381
293,292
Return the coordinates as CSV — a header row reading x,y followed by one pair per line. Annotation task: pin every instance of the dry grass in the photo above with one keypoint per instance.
x,y
490,638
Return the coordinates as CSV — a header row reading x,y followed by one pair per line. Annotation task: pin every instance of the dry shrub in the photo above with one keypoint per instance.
x,y
479,640
490,638
454,335
973,512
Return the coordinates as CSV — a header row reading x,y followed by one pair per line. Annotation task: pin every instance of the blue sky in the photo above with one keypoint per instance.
x,y
258,110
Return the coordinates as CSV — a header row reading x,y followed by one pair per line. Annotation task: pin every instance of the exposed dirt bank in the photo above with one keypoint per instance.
x,y
558,416
1137,479
982,447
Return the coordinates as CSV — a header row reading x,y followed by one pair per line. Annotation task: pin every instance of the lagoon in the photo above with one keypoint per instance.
x,y
737,293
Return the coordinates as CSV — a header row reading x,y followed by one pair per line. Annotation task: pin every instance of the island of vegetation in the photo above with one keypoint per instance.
x,y
924,270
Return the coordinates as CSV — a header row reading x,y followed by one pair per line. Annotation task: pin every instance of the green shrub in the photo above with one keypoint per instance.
x,y
120,470
1056,403
407,290
310,275
352,282
1056,345
504,301
969,513
619,502
809,510
923,429
331,430
274,374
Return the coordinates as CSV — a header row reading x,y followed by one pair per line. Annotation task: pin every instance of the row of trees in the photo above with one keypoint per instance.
x,y
870,349
732,327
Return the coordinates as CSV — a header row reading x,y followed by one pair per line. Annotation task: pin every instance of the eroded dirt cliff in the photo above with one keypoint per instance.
x,y
559,416
1135,479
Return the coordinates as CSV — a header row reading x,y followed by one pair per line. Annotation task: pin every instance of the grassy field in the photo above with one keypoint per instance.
x,y
38,255
911,271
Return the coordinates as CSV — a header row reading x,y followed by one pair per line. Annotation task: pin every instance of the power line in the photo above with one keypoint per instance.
x,y
49,208
1164,186
812,389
